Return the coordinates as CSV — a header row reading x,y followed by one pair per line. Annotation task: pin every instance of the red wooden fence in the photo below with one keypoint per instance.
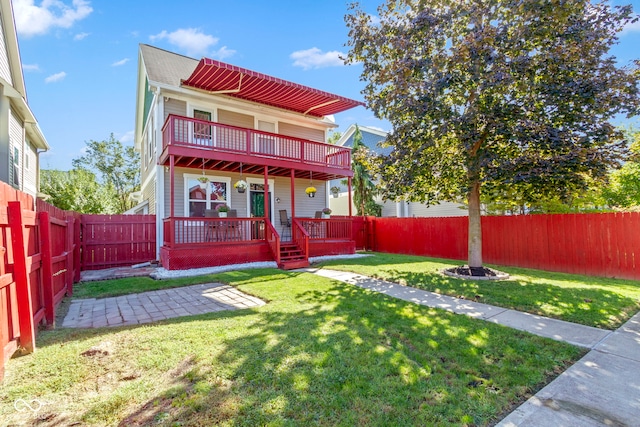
x,y
117,240
602,244
37,267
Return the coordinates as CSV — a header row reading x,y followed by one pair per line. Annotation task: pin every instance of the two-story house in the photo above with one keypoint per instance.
x,y
21,139
234,163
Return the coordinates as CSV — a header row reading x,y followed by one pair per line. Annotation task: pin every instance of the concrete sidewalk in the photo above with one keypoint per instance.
x,y
603,388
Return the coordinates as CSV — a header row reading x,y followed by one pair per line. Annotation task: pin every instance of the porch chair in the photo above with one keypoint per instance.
x,y
316,227
210,225
234,225
285,222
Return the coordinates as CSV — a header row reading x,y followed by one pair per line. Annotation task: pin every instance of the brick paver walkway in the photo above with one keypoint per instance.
x,y
156,305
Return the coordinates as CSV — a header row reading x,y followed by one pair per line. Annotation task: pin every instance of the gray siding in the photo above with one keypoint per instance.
x,y
174,106
5,70
305,206
300,132
235,119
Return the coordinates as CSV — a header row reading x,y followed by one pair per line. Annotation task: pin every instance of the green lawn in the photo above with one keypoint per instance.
x,y
319,353
594,301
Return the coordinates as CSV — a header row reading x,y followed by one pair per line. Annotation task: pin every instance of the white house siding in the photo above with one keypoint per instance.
x,y
15,141
301,132
441,209
149,194
5,70
30,173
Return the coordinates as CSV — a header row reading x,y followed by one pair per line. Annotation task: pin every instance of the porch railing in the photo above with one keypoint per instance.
x,y
190,132
327,229
300,237
180,231
273,239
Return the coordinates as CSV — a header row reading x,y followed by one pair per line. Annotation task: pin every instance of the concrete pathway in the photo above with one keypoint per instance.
x,y
156,305
602,388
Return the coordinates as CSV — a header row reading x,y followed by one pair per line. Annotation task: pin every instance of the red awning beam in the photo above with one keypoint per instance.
x,y
321,105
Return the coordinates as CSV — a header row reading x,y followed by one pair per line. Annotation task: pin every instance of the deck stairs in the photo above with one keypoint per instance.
x,y
291,257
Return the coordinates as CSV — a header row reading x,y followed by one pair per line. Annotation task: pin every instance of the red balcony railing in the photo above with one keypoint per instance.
x,y
190,132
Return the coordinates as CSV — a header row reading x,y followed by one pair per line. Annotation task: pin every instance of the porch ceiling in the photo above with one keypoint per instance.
x,y
233,166
215,76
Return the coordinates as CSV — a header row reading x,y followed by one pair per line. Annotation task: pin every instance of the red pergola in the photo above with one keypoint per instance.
x,y
221,78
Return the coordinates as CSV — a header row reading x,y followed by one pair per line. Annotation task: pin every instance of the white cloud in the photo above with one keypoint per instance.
x,y
223,53
30,67
193,41
631,28
80,36
55,77
121,62
315,58
32,20
127,137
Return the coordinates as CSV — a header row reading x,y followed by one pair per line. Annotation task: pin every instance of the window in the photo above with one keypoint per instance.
x,y
209,195
16,166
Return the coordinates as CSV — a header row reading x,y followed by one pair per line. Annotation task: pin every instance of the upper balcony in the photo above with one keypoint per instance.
x,y
193,142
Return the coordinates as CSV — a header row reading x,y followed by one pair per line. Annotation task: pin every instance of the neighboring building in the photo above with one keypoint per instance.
x,y
371,138
20,135
225,124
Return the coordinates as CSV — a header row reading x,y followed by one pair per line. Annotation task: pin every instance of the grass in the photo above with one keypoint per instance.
x,y
593,301
319,353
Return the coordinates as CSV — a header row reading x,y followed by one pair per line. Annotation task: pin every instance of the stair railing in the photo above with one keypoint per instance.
x,y
300,237
273,239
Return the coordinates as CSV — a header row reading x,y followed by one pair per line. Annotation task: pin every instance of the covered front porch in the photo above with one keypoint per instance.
x,y
271,216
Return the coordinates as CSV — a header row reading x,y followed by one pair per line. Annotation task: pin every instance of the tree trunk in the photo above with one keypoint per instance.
x,y
475,227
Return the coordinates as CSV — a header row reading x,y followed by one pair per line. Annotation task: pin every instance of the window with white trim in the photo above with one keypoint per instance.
x,y
208,195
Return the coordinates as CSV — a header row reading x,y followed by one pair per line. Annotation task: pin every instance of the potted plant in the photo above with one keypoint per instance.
x,y
222,210
203,182
326,213
241,186
335,190
311,191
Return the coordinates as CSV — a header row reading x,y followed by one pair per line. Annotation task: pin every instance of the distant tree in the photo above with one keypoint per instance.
x,y
115,165
623,190
334,137
77,190
485,95
364,190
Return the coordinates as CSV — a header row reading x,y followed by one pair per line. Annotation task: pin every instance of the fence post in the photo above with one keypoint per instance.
x,y
47,268
21,278
76,248
68,248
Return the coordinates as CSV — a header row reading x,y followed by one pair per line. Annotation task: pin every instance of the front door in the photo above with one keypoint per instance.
x,y
256,201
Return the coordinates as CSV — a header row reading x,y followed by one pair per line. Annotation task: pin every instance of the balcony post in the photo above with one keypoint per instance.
x,y
266,192
293,194
349,193
172,187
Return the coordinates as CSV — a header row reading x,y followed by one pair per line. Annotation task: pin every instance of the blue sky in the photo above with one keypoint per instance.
x,y
80,57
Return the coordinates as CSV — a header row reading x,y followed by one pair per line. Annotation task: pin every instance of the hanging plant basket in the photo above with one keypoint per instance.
x,y
311,191
241,186
204,181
